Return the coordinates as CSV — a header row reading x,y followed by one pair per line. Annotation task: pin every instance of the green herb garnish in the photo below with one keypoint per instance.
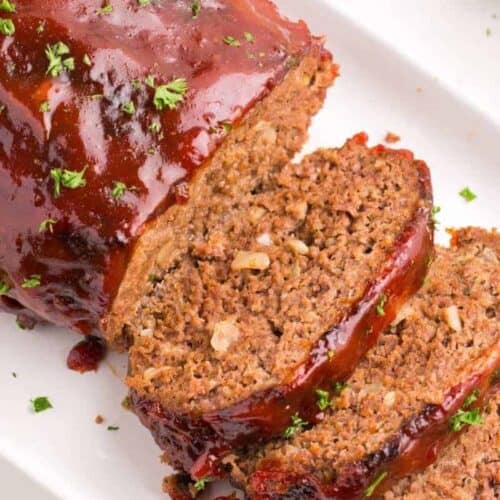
x,y
471,398
41,403
4,288
381,305
373,486
195,8
231,41
106,9
435,210
338,387
118,189
170,94
7,27
129,108
297,426
142,3
467,194
113,428
323,399
249,37
45,107
32,282
201,484
7,5
150,81
47,225
68,179
155,127
86,60
57,64
465,417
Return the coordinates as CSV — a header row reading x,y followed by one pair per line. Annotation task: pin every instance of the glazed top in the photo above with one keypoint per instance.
x,y
107,108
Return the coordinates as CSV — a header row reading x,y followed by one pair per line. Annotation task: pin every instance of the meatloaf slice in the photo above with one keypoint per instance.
x,y
287,277
468,470
424,383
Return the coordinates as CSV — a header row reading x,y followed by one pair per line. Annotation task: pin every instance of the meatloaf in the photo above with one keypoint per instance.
x,y
114,117
468,470
281,283
427,380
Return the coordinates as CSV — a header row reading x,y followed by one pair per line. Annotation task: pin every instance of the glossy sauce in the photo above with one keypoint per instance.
x,y
86,355
195,444
81,258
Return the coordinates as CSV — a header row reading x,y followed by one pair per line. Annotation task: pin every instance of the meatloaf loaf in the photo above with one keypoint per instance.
x,y
114,118
468,470
425,382
282,282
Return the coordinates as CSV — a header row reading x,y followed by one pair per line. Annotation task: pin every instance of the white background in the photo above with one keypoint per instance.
x,y
446,37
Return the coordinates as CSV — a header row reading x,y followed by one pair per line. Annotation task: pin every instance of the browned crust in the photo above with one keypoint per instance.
x,y
196,444
299,97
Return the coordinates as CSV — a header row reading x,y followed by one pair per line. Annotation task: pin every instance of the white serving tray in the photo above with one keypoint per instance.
x,y
74,458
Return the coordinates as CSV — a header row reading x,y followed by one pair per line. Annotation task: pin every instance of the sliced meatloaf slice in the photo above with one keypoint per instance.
x,y
287,277
425,382
468,470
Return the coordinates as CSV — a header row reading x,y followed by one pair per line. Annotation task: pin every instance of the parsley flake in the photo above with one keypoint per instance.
x,y
7,5
7,27
45,107
118,189
67,178
113,428
471,398
129,108
86,60
297,426
150,81
323,399
467,194
4,288
106,9
338,387
47,225
170,94
465,417
373,486
435,210
231,41
41,403
249,37
32,282
195,8
381,305
143,3
57,64
201,484
155,127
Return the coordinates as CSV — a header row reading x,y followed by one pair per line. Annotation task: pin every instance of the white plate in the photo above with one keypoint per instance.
x,y
63,449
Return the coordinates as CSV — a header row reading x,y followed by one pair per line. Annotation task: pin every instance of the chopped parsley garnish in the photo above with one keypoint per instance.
x,y
231,41
4,288
68,179
249,37
152,278
32,282
373,486
195,8
170,94
113,428
338,387
143,3
297,426
47,225
20,324
467,194
7,27
106,9
323,399
471,398
118,189
136,84
97,97
7,5
465,417
155,127
14,374
86,60
435,210
129,108
41,403
201,484
126,403
57,64
150,81
381,305
45,107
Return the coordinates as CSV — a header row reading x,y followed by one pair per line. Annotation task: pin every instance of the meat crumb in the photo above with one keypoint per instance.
x,y
391,138
99,419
